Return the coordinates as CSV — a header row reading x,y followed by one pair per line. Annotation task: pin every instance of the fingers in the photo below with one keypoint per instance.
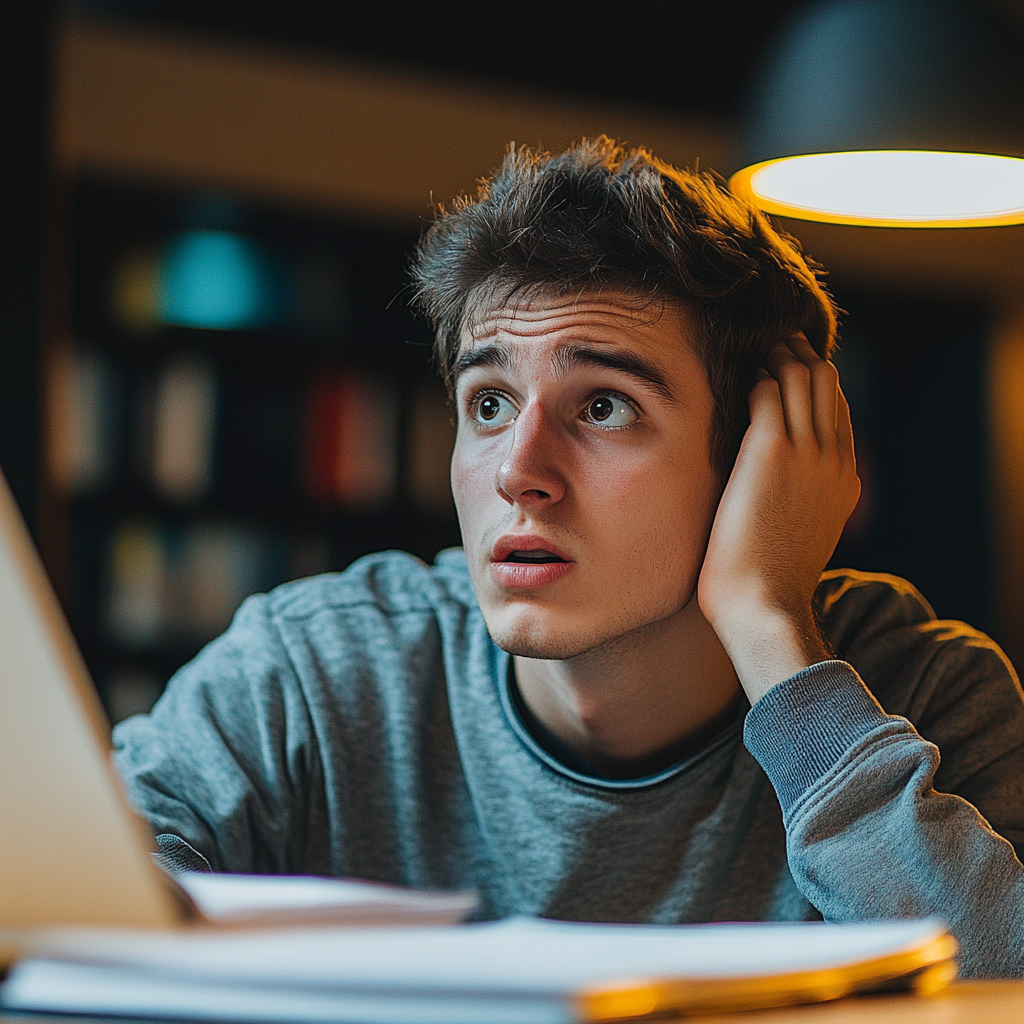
x,y
766,408
811,397
844,428
794,379
825,390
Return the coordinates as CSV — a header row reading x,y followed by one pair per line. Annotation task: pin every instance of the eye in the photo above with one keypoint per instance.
x,y
492,410
610,411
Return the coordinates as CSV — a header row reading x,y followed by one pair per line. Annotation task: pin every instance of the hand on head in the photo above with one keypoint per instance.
x,y
792,489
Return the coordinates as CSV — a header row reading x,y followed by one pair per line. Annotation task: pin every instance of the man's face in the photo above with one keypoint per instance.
x,y
581,470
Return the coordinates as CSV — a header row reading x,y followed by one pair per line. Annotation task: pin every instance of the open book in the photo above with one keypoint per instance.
x,y
519,971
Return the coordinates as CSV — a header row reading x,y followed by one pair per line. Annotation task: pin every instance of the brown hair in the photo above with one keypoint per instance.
x,y
601,215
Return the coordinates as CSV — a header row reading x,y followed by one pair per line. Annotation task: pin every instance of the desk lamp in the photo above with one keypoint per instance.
x,y
889,114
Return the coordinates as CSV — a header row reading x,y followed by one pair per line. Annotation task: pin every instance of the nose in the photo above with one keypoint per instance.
x,y
531,473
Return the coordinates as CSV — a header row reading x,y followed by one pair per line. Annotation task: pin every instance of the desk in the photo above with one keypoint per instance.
x,y
964,1002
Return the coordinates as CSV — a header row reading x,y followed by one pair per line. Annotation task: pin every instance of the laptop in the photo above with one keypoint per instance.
x,y
72,851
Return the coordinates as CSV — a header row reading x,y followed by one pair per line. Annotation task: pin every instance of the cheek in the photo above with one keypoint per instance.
x,y
661,507
472,481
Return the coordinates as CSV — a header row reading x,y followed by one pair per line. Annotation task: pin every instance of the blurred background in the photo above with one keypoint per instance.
x,y
210,381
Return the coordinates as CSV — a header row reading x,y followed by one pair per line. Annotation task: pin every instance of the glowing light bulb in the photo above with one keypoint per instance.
x,y
889,188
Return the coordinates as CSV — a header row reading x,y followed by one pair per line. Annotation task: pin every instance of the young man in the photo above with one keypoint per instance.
x,y
634,696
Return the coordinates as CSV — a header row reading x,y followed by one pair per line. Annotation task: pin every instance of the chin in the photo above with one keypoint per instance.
x,y
529,633
542,648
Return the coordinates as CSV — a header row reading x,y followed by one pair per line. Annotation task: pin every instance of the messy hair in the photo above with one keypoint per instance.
x,y
605,216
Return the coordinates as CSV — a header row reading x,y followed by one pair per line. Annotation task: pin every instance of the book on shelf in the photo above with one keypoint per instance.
x,y
216,565
184,584
430,438
517,971
184,420
137,585
81,413
134,298
192,431
351,439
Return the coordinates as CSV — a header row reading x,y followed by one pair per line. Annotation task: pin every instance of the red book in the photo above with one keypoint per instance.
x,y
351,434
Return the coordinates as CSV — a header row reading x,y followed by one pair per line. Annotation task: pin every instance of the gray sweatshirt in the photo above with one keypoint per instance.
x,y
362,724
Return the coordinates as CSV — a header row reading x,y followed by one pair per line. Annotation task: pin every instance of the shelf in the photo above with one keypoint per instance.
x,y
200,465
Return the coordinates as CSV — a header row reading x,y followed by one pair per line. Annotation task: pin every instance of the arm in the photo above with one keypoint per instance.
x,y
225,758
790,493
867,834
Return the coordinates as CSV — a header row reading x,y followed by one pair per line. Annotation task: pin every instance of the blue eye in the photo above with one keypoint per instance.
x,y
610,411
493,410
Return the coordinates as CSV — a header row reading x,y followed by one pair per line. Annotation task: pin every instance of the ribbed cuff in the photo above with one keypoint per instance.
x,y
176,856
801,728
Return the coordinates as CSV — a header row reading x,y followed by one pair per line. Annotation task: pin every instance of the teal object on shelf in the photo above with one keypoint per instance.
x,y
221,281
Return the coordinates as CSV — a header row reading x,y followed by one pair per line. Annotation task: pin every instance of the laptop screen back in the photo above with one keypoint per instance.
x,y
71,852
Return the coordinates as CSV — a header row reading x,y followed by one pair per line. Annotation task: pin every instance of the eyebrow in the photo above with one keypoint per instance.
x,y
485,355
571,356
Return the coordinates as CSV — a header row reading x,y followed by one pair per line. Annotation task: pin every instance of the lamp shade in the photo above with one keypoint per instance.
x,y
222,281
918,104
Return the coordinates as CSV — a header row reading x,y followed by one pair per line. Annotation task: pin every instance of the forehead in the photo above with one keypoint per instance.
x,y
613,318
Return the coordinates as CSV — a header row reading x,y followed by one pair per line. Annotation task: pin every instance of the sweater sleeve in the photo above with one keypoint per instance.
x,y
224,760
867,834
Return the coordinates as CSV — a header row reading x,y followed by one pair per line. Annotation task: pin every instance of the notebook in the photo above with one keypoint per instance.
x,y
516,971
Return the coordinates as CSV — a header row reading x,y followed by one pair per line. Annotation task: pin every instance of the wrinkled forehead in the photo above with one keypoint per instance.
x,y
494,309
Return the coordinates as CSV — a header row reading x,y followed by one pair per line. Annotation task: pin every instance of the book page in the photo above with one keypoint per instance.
x,y
517,956
266,899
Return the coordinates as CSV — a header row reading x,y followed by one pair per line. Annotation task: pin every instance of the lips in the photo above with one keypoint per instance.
x,y
527,562
532,557
526,548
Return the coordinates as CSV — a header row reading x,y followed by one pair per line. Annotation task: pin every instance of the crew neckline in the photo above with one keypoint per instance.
x,y
549,750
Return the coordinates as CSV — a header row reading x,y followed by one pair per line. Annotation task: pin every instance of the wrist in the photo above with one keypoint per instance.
x,y
768,645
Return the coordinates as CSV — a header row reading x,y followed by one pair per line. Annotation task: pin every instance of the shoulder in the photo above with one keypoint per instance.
x,y
388,614
854,606
393,583
912,661
382,609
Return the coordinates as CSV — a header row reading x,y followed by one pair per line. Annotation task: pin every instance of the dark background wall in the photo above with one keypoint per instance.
x,y
913,370
26,32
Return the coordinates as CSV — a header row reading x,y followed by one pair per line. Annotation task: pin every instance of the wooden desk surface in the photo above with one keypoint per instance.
x,y
964,1002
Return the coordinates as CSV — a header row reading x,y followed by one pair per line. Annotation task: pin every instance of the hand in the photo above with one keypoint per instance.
x,y
790,493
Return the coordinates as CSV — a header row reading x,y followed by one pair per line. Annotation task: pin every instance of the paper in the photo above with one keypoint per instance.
x,y
522,971
248,900
77,989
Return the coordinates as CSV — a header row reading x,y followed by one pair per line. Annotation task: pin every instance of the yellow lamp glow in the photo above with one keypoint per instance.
x,y
888,113
889,188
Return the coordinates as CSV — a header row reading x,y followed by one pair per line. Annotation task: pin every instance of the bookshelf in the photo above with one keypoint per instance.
x,y
243,398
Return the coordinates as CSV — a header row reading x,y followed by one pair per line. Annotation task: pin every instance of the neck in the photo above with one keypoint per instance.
x,y
640,702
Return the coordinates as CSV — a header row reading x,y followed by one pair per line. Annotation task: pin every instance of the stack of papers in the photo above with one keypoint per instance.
x,y
520,971
258,901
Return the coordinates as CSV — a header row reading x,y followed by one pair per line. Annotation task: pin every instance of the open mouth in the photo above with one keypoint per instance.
x,y
535,557
527,568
